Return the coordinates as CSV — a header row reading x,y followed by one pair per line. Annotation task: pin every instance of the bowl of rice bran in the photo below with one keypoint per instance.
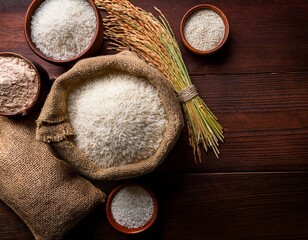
x,y
62,32
23,84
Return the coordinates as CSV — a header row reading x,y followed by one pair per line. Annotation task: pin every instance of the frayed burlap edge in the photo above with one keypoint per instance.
x,y
45,192
53,124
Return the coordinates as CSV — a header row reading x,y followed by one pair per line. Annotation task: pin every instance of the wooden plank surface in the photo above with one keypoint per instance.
x,y
205,206
258,88
265,119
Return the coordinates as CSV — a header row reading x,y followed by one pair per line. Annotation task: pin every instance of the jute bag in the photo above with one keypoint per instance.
x,y
54,127
45,192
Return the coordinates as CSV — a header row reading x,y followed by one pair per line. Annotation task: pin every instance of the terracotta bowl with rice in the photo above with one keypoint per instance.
x,y
204,29
62,32
131,208
112,117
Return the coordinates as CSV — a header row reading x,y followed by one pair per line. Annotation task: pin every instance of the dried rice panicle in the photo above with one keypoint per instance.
x,y
130,27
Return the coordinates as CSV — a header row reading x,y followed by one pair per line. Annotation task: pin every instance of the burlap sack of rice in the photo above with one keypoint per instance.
x,y
44,191
114,76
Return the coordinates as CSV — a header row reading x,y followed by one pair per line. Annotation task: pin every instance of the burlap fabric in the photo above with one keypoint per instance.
x,y
44,191
53,124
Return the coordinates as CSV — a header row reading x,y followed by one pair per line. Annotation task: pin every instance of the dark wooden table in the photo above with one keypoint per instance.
x,y
258,88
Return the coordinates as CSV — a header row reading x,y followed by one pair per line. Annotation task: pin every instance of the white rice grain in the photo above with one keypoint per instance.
x,y
63,29
118,119
204,29
132,207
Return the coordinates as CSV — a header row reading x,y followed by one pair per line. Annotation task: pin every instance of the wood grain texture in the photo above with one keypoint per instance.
x,y
257,86
265,117
206,206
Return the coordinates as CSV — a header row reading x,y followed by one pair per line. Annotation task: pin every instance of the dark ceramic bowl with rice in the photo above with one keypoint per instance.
x,y
24,84
57,32
131,208
204,29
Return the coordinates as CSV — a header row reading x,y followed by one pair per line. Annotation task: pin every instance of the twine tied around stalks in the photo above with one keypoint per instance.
x,y
187,94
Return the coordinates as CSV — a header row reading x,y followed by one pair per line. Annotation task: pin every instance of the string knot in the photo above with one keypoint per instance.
x,y
187,94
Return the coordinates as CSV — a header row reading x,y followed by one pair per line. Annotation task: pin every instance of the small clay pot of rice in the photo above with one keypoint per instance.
x,y
62,32
111,117
131,208
23,84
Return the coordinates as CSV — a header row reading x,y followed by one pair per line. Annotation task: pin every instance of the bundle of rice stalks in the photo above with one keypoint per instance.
x,y
130,27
